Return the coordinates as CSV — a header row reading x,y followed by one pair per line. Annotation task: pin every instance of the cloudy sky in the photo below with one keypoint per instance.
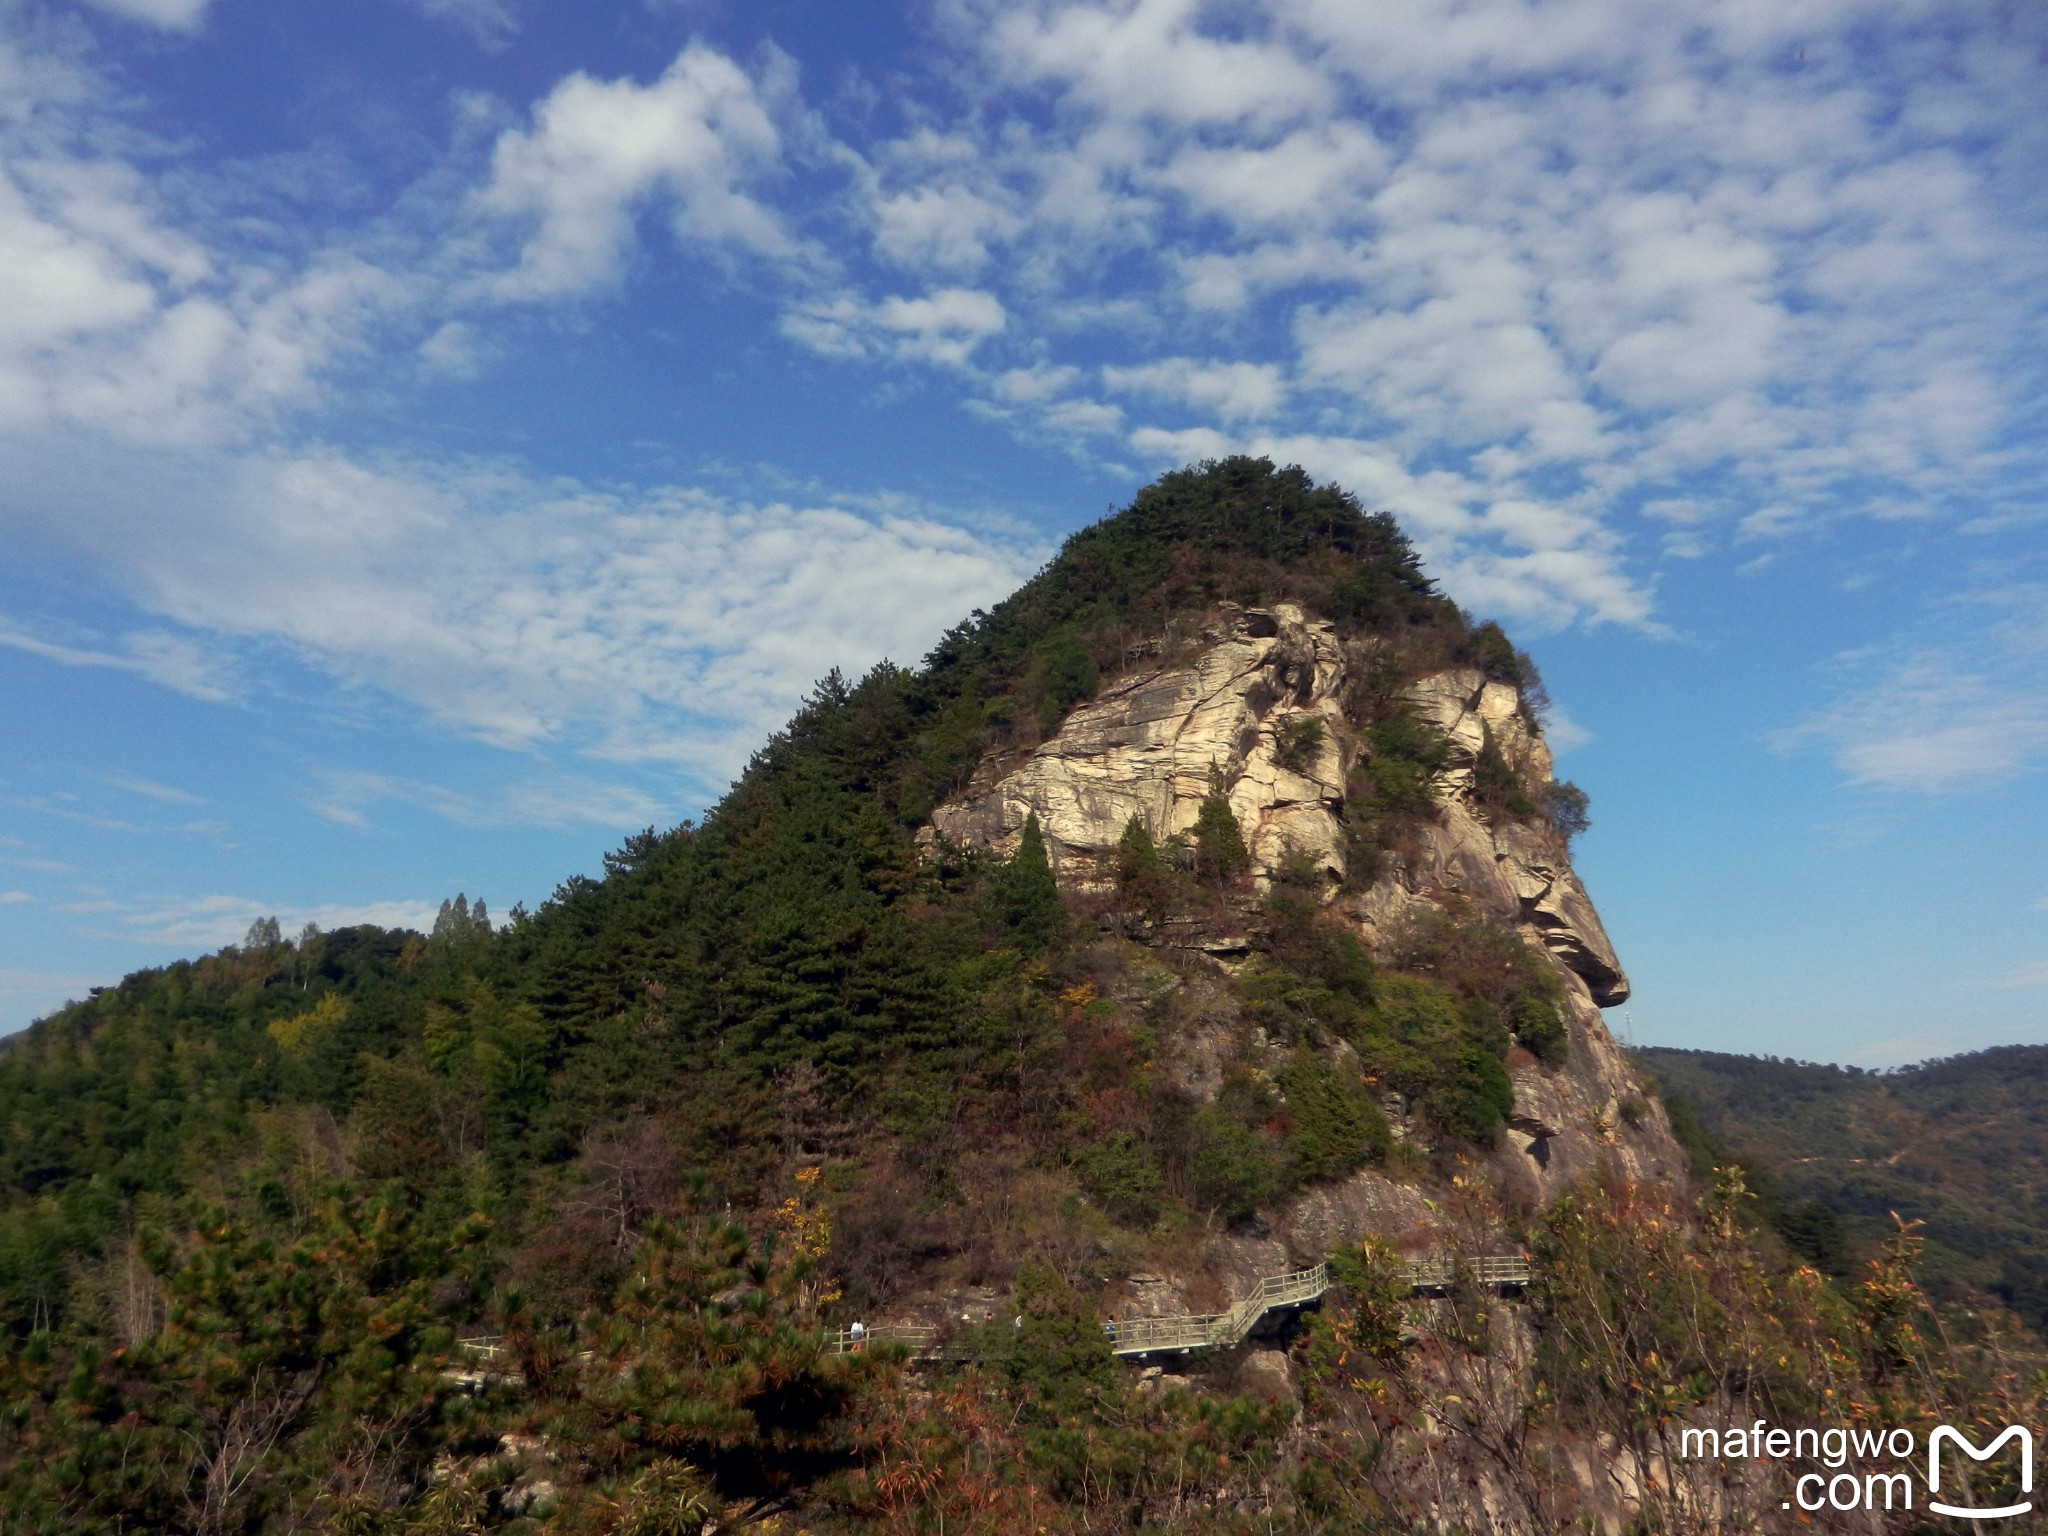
x,y
438,437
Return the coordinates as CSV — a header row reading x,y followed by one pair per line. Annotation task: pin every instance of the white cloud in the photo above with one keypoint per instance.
x,y
1576,254
1504,268
171,15
1151,59
27,995
1315,176
943,327
522,612
1931,721
1562,733
946,227
2033,974
456,350
1231,391
490,23
599,150
149,789
345,796
1034,386
15,898
137,390
123,326
175,661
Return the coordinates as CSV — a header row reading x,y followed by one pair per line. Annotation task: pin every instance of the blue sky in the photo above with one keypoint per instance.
x,y
439,437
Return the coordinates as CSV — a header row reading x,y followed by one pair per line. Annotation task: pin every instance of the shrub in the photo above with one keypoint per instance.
x,y
1327,952
1298,742
1566,805
1539,1026
1405,759
1060,1351
1424,1045
1232,1169
1122,1177
1473,1095
1489,964
1335,1127
1496,784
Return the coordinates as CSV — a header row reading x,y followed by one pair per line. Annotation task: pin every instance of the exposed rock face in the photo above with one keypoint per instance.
x,y
1530,864
1151,745
1147,747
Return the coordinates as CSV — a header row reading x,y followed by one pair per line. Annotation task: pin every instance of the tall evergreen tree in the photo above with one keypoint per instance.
x,y
1220,853
1027,898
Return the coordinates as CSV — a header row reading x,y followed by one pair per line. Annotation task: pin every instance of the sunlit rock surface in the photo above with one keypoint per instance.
x,y
1150,743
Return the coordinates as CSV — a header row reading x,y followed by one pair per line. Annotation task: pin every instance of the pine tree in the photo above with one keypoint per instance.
x,y
1220,853
1027,897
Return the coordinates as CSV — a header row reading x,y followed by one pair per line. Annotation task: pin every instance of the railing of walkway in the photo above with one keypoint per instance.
x,y
1216,1330
1440,1273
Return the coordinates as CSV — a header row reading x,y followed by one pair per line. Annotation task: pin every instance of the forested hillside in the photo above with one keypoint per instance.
x,y
793,1066
791,976
1960,1145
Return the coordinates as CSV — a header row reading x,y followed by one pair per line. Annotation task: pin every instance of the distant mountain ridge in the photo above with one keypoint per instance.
x,y
1960,1144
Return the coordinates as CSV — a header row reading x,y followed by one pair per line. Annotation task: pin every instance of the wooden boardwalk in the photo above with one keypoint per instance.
x,y
1183,1332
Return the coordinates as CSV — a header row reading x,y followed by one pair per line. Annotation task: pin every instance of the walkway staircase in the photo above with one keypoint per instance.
x,y
1182,1332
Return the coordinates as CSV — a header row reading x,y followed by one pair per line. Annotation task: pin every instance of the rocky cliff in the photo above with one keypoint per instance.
x,y
1150,743
1265,708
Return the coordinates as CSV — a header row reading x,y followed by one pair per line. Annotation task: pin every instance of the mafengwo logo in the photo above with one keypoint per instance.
x,y
1855,1484
1963,1443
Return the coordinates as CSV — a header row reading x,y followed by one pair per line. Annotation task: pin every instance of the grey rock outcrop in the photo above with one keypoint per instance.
x,y
1261,708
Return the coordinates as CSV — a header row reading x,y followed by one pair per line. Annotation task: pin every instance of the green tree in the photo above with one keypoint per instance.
x,y
1122,1177
1026,895
1567,806
1220,852
1233,1170
1067,675
704,1380
1427,1047
1334,1127
1496,784
1299,743
282,1368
